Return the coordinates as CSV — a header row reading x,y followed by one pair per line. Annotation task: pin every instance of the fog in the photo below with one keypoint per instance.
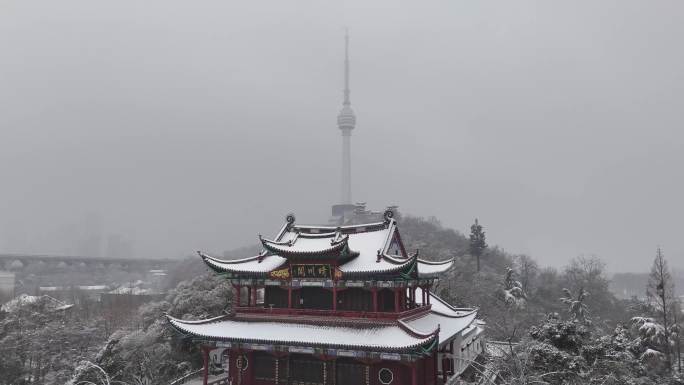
x,y
176,126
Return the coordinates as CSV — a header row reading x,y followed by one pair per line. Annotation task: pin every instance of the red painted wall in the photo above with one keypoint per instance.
x,y
402,372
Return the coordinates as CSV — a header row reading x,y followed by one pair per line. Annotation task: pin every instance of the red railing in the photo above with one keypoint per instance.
x,y
331,313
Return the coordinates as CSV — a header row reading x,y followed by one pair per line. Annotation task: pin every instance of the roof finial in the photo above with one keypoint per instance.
x,y
290,220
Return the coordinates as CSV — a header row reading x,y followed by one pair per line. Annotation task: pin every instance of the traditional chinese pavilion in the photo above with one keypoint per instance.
x,y
337,306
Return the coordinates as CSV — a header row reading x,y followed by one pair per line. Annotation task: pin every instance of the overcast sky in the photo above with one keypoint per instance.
x,y
185,125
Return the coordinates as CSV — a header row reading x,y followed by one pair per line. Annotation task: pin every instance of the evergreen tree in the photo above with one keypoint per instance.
x,y
660,292
676,331
478,242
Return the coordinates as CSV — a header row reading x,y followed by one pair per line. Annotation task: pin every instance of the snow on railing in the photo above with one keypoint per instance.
x,y
186,377
220,381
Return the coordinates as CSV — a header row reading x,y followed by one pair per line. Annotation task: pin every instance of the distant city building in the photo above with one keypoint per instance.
x,y
6,286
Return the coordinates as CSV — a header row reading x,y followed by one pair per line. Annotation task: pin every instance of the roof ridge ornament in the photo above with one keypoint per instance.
x,y
290,219
388,215
260,258
337,237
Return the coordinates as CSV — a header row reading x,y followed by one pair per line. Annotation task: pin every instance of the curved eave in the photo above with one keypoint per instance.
x,y
386,265
347,228
417,341
442,307
430,269
258,265
452,321
417,333
288,249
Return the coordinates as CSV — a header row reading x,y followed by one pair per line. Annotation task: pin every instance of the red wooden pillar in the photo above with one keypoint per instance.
x,y
254,296
238,294
422,295
426,374
428,295
375,299
231,363
334,306
249,296
250,367
414,373
434,365
289,297
401,299
205,357
396,300
409,297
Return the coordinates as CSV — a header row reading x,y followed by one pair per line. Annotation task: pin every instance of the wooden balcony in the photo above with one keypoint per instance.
x,y
261,310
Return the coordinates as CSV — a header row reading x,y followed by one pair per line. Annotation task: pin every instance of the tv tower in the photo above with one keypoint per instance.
x,y
346,121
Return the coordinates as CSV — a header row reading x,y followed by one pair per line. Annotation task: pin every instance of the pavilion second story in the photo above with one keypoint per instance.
x,y
352,271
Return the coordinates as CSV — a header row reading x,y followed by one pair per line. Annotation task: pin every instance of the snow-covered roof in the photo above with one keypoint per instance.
x,y
430,269
134,290
452,320
361,249
92,287
256,264
302,244
382,337
51,304
449,327
441,320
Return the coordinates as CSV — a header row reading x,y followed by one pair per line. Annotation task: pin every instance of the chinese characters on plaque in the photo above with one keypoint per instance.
x,y
311,271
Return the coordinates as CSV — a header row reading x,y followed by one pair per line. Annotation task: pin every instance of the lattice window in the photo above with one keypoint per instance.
x,y
264,367
304,371
350,374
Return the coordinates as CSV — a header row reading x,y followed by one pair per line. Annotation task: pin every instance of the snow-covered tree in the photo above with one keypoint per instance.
x,y
513,293
577,307
650,331
155,354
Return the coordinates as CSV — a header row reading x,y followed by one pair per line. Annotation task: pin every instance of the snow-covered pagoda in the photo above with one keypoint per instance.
x,y
336,306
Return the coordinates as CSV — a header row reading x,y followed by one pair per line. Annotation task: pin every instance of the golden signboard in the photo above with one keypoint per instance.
x,y
319,271
282,274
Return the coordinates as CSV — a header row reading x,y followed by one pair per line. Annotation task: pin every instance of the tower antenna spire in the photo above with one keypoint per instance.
x,y
347,92
346,121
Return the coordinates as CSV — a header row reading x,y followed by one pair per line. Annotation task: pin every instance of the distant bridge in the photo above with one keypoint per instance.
x,y
19,263
26,273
